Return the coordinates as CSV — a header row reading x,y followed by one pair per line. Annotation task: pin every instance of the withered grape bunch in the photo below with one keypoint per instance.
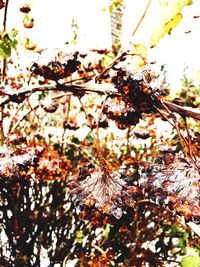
x,y
122,113
139,95
57,65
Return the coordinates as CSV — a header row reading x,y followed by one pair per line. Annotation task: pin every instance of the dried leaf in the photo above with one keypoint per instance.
x,y
25,8
12,163
52,166
175,182
104,190
2,4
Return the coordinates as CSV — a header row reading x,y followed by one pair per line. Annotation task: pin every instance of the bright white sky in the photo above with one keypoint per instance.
x,y
53,28
177,50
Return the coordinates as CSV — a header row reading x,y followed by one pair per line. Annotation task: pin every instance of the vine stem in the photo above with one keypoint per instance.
x,y
101,89
68,102
98,146
1,127
141,19
183,111
4,65
4,30
175,124
5,16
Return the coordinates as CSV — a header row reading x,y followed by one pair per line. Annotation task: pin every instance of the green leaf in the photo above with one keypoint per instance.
x,y
169,16
12,35
197,249
79,237
182,243
75,140
90,138
176,229
70,153
5,49
107,230
190,261
7,43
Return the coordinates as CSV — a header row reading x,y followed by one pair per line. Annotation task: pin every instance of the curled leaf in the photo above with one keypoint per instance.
x,y
175,182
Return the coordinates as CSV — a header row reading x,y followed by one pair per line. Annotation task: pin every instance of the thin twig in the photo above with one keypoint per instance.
x,y
189,140
128,137
101,89
181,137
4,30
3,73
114,62
141,19
66,121
1,126
97,130
176,126
5,16
15,114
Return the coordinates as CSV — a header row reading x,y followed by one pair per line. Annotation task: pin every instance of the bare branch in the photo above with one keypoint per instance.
x,y
104,89
101,89
183,111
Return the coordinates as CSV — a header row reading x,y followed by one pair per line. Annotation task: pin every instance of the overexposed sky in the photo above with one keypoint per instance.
x,y
177,50
53,20
52,28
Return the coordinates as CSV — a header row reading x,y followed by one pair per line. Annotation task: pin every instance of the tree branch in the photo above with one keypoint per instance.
x,y
101,89
104,89
183,111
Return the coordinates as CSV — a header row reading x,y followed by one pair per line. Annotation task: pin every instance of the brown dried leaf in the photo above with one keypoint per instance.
x,y
104,190
12,163
52,166
175,182
25,8
2,4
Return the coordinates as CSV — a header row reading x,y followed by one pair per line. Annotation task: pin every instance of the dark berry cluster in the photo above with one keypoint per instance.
x,y
136,90
137,98
123,114
61,66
